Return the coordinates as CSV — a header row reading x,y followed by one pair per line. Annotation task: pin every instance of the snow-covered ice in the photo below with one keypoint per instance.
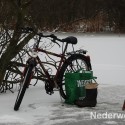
x,y
38,108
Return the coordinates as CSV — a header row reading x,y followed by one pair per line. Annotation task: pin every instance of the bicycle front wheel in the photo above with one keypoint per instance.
x,y
72,64
23,87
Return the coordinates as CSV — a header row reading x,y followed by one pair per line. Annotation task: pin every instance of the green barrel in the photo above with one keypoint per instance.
x,y
75,85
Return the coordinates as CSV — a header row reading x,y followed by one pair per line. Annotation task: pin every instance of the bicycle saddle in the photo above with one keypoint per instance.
x,y
70,39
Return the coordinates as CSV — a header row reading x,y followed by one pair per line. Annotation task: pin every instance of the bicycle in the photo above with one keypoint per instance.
x,y
69,62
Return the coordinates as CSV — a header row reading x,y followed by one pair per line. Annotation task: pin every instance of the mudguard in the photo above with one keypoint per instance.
x,y
88,62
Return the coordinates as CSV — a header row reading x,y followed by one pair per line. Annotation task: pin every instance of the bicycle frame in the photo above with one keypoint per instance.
x,y
62,59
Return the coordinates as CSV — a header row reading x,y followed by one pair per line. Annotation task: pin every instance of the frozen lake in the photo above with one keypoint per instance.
x,y
107,55
38,108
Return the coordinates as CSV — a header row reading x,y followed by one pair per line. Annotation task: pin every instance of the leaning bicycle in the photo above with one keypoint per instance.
x,y
68,62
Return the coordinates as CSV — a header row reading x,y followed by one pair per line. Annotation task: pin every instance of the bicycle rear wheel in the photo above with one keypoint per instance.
x,y
72,64
23,87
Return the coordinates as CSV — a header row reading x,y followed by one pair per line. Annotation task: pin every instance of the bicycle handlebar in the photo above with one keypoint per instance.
x,y
29,29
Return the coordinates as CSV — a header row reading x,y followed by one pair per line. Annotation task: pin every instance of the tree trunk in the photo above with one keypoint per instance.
x,y
2,74
13,47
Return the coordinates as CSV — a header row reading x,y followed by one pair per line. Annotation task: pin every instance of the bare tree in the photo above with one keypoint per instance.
x,y
11,40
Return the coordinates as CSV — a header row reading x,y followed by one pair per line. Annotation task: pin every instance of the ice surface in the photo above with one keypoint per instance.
x,y
38,108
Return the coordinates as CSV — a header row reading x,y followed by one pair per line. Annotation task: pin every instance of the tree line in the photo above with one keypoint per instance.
x,y
48,15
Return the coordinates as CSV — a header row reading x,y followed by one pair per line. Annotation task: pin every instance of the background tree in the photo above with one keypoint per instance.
x,y
52,14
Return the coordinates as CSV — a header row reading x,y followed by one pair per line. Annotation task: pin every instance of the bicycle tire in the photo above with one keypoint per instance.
x,y
23,88
64,69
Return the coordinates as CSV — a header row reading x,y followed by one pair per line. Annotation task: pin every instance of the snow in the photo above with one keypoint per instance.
x,y
38,108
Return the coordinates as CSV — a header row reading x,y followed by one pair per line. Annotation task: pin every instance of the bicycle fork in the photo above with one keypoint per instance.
x,y
31,62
